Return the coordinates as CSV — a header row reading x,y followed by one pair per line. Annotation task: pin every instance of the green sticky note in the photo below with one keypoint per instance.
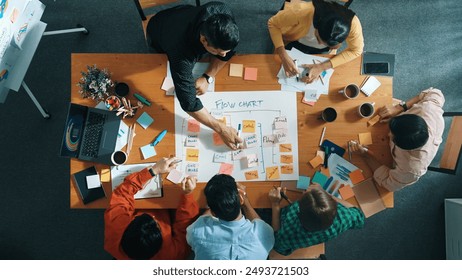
x,y
319,178
303,182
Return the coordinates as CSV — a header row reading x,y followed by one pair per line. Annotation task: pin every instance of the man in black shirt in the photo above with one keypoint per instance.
x,y
186,33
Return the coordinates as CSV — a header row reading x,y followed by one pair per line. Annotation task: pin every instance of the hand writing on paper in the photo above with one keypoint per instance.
x,y
289,66
164,165
315,70
189,184
274,196
230,138
387,112
201,86
357,148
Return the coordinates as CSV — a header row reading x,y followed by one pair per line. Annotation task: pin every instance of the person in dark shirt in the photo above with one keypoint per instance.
x,y
186,33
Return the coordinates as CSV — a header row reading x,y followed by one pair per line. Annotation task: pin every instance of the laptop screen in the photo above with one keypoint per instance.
x,y
73,130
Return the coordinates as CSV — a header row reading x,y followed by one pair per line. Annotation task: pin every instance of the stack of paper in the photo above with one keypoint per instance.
x,y
312,91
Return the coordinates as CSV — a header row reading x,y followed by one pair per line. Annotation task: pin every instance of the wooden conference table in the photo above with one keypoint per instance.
x,y
144,73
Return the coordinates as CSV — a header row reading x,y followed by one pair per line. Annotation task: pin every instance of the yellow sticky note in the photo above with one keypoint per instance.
x,y
373,121
285,148
105,175
248,126
287,159
272,173
365,138
287,169
235,70
192,155
251,175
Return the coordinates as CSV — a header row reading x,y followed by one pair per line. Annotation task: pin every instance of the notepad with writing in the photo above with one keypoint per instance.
x,y
87,194
152,188
370,85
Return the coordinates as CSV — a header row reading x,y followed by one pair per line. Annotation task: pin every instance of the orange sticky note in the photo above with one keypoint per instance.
x,y
285,148
217,141
226,168
105,175
248,126
194,126
235,70
192,155
250,74
356,176
316,161
251,175
325,171
287,169
272,173
287,159
365,138
346,192
373,121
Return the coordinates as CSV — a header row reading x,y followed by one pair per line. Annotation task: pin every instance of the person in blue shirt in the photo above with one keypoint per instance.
x,y
230,229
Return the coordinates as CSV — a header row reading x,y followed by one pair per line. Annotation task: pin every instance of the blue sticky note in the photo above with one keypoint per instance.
x,y
303,182
148,151
145,120
319,178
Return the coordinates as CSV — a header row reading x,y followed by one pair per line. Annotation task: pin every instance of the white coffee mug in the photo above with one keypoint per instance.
x,y
119,157
366,109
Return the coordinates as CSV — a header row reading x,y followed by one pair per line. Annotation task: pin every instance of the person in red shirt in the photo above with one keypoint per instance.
x,y
155,234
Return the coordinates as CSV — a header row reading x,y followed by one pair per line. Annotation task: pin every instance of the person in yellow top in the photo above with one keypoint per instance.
x,y
315,27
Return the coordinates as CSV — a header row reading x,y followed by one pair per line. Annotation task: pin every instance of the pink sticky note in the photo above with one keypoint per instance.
x,y
175,176
250,74
194,126
217,141
226,168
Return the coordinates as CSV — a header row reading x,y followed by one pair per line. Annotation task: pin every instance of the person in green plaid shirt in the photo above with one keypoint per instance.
x,y
316,218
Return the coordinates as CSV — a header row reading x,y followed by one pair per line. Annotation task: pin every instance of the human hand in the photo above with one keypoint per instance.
x,y
274,196
242,190
230,138
189,184
357,148
164,165
290,69
387,112
315,70
201,86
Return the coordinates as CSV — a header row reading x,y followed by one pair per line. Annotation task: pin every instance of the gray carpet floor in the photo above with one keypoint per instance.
x,y
35,219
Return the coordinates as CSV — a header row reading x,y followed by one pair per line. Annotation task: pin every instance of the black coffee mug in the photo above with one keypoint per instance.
x,y
119,157
328,115
121,89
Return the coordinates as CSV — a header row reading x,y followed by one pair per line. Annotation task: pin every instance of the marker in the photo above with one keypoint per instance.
x,y
326,185
322,74
326,155
297,76
176,161
349,150
239,130
322,136
142,99
283,195
159,138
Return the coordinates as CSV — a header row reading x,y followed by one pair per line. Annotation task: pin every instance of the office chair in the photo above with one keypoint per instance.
x,y
145,4
452,146
309,253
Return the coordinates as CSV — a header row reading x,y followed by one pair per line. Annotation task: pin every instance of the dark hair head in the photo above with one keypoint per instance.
x,y
409,131
317,210
221,31
142,238
332,21
223,197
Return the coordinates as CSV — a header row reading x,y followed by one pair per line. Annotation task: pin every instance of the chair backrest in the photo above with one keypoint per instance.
x,y
449,156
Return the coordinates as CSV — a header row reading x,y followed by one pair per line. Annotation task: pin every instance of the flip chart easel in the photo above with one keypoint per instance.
x,y
16,59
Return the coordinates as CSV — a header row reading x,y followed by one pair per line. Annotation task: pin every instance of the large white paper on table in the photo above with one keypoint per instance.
x,y
291,84
259,109
152,189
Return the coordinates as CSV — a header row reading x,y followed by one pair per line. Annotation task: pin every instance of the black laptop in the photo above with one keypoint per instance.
x,y
90,134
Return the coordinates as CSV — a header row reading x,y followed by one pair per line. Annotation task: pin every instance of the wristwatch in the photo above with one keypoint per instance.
x,y
403,104
208,78
152,171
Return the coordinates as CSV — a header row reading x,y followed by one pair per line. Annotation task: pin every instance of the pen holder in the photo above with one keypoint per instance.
x,y
112,103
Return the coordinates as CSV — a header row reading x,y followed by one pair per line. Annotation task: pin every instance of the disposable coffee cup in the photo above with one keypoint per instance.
x,y
119,157
121,89
328,115
351,91
366,110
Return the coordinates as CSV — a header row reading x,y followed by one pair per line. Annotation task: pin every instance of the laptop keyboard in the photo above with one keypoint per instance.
x,y
92,135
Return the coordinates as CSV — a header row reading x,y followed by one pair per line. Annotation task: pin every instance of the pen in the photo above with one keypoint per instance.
x,y
283,195
159,137
326,155
239,129
320,76
349,150
342,177
322,136
326,185
297,76
142,99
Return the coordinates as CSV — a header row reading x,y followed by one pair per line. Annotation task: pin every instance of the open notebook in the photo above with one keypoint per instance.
x,y
370,85
153,188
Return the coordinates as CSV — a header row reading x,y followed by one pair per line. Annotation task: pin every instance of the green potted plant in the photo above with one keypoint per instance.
x,y
95,83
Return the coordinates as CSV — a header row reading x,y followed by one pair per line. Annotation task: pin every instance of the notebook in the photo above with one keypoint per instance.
x,y
370,85
90,134
87,194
